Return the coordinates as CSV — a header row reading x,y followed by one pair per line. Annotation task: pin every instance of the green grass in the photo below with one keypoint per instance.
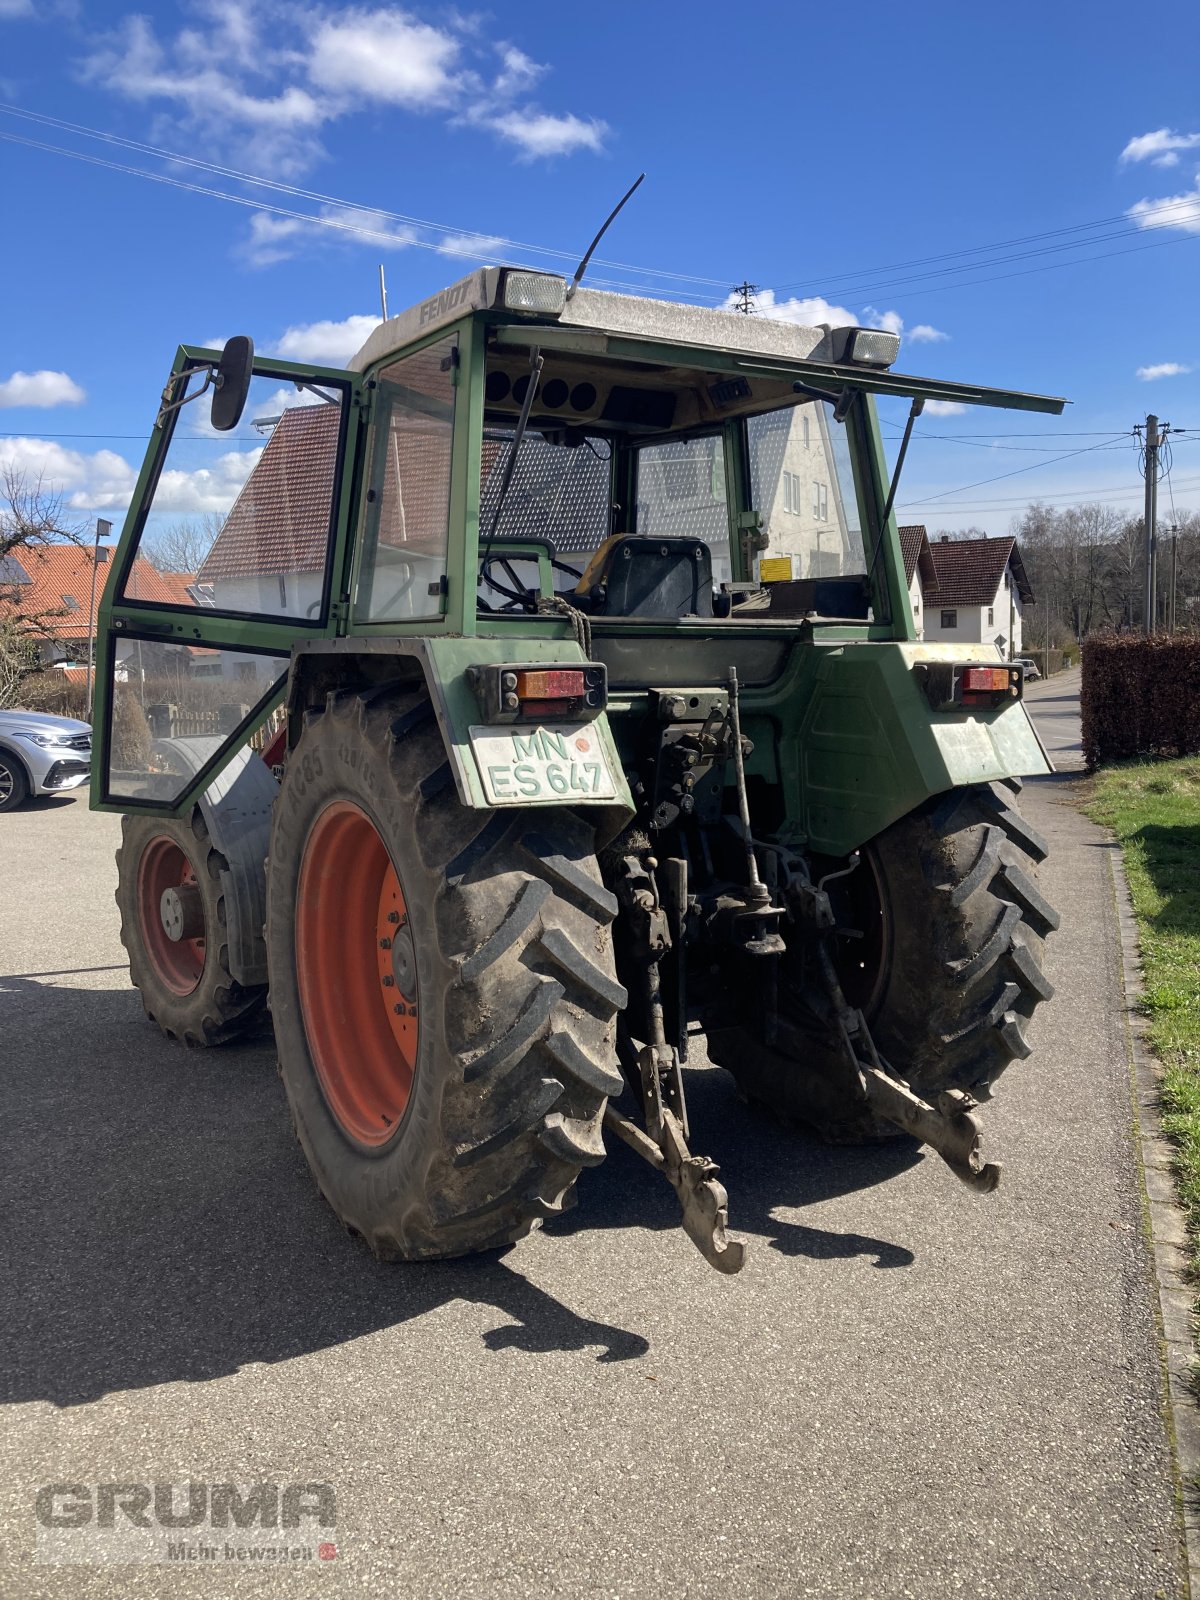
x,y
1153,807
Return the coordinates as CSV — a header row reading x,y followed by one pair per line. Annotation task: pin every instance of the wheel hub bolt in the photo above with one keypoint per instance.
x,y
393,916
385,944
388,981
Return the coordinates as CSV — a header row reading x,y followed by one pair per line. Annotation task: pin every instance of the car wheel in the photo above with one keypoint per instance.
x,y
14,785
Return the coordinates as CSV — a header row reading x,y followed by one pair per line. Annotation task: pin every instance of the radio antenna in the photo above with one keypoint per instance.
x,y
608,222
383,292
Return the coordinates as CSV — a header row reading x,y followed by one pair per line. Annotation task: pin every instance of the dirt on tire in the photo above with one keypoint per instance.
x,y
518,992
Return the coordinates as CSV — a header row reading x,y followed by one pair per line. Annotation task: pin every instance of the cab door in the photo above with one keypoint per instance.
x,y
233,551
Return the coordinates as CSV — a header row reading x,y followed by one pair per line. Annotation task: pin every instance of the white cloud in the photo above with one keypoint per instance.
x,y
104,481
537,134
257,86
15,8
212,488
475,246
891,320
100,480
943,408
815,310
43,389
201,75
387,56
1160,147
329,344
518,74
272,239
924,334
1163,369
1175,211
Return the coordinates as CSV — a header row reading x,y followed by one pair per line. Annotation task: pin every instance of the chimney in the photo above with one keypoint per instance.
x,y
945,538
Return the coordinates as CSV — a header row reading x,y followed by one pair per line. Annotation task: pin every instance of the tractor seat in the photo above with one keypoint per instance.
x,y
650,575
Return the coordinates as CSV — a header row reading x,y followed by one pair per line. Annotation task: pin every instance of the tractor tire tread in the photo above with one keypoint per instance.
x,y
513,1076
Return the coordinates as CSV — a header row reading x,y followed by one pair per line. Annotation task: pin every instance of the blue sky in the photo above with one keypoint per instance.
x,y
818,151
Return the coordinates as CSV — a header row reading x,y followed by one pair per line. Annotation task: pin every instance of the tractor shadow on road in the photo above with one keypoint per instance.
x,y
165,1227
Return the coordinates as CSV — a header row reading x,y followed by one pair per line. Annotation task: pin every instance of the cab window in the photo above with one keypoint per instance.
x,y
242,522
406,506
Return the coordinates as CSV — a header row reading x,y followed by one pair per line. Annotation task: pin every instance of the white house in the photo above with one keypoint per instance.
x,y
966,591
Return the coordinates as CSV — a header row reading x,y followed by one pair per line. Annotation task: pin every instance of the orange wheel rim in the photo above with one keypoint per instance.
x,y
356,973
163,872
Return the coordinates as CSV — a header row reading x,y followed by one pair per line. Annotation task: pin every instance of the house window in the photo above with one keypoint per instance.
x,y
949,619
820,502
916,608
991,616
804,430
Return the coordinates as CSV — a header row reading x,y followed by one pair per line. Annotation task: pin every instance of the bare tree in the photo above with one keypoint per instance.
x,y
184,545
30,516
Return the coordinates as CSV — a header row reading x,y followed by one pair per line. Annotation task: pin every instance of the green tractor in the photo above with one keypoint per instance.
x,y
551,696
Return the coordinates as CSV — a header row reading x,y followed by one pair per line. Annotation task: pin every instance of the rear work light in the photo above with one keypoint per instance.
x,y
959,685
512,693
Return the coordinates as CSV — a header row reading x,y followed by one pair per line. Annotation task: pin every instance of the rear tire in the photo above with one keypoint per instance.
x,y
185,984
954,971
14,785
457,1128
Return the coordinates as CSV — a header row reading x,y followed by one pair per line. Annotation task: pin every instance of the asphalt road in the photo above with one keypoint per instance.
x,y
909,1391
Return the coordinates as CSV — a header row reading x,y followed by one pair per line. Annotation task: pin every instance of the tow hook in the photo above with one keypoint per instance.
x,y
702,1199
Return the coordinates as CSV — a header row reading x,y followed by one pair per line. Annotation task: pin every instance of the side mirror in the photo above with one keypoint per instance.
x,y
231,383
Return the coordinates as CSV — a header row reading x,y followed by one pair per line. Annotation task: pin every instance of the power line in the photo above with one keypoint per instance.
x,y
298,192
1035,466
1015,502
1184,205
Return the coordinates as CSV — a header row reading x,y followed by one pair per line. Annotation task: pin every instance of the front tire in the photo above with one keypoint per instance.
x,y
948,971
442,986
14,785
179,951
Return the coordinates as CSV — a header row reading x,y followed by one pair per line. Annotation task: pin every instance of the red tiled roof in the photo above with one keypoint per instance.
x,y
914,545
60,574
280,521
969,571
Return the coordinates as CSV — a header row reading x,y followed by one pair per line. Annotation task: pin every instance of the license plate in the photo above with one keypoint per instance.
x,y
522,766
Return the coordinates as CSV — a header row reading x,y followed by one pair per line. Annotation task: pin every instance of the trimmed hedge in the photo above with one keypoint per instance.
x,y
1141,697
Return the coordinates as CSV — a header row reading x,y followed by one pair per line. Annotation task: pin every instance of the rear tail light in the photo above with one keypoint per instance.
x,y
527,693
958,685
976,678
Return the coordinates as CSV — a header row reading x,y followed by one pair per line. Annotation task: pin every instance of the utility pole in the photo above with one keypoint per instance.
x,y
1174,559
1150,594
745,292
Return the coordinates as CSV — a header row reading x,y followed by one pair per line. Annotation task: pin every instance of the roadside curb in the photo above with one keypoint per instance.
x,y
1167,1229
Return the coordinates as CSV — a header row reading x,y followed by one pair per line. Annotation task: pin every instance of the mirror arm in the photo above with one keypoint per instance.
x,y
167,405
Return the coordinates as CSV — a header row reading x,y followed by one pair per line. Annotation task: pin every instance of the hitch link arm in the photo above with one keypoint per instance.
x,y
947,1126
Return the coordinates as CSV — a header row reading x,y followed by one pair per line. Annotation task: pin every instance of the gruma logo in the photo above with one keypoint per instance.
x,y
263,1522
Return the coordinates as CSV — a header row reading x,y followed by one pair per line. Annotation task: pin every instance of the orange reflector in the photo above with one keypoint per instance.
x,y
550,685
986,678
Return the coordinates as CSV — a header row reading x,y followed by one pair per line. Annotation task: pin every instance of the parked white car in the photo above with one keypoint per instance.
x,y
41,754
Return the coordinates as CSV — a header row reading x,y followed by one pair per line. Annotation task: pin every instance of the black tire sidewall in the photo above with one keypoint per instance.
x,y
354,1177
21,789
218,1008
